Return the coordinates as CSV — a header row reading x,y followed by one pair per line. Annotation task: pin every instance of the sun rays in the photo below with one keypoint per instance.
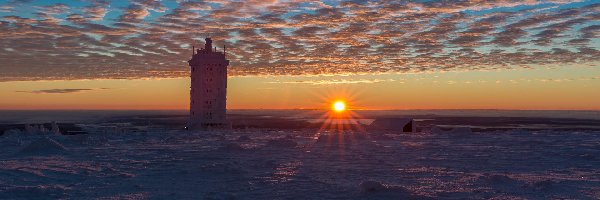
x,y
340,104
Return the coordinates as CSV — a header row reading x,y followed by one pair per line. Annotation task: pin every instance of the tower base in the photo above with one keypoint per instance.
x,y
208,126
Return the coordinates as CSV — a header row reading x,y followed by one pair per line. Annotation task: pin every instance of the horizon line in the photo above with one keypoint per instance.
x,y
234,109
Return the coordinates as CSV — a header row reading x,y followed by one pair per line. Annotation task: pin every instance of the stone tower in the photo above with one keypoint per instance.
x,y
208,92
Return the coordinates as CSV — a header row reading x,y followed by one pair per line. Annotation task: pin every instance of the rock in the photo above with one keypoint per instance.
x,y
372,186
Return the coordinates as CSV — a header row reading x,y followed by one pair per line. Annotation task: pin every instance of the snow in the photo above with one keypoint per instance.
x,y
43,146
283,142
303,164
453,131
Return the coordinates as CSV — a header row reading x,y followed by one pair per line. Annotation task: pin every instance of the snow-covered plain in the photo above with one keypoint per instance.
x,y
302,164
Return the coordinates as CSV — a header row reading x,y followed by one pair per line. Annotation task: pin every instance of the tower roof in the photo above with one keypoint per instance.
x,y
208,44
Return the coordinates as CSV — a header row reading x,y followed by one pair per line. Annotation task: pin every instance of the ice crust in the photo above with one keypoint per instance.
x,y
302,164
43,146
454,131
283,142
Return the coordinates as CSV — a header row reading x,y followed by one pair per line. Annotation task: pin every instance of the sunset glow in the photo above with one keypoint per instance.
x,y
539,55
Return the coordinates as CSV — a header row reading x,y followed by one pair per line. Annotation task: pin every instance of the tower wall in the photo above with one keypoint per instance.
x,y
208,92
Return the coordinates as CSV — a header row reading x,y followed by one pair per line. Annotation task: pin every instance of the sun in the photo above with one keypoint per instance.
x,y
339,106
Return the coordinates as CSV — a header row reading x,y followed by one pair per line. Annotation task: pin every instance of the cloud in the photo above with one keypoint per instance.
x,y
335,81
97,10
55,91
6,8
61,91
151,38
53,9
76,18
140,9
154,5
134,13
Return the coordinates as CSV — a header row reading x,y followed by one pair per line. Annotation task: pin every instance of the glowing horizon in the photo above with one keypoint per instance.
x,y
512,90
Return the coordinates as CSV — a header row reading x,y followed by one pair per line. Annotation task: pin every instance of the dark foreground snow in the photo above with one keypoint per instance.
x,y
302,165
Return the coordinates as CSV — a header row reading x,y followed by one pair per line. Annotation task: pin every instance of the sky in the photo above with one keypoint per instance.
x,y
468,54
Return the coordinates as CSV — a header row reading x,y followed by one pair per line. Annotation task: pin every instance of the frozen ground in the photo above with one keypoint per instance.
x,y
303,164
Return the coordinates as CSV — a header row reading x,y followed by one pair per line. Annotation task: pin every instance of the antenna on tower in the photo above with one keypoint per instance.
x,y
193,50
224,51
